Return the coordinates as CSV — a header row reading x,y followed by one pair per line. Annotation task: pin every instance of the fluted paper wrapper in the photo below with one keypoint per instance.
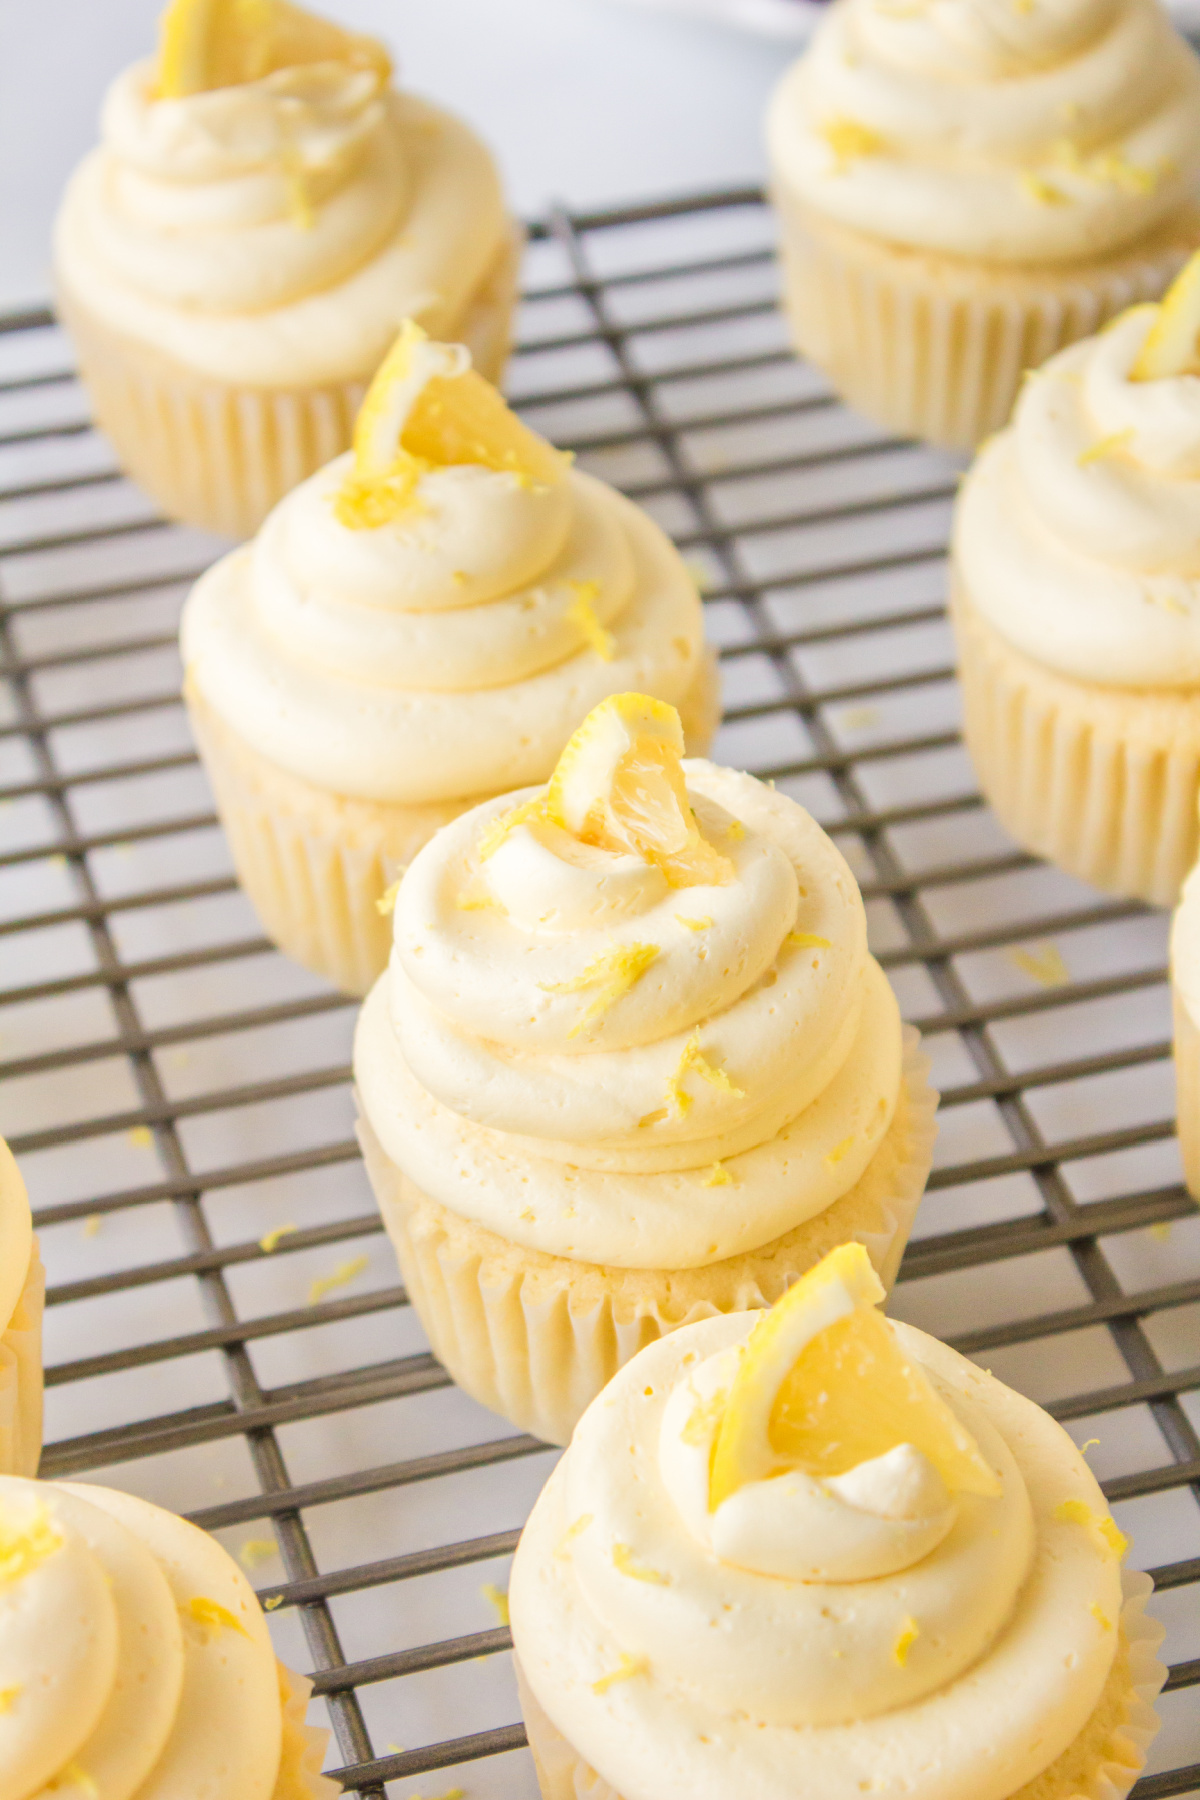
x,y
1100,781
933,347
1103,1769
537,1337
220,456
303,1751
21,1376
1187,1092
315,865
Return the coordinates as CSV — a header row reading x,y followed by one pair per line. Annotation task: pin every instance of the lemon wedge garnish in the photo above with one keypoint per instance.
x,y
206,44
824,1386
1172,346
619,785
427,408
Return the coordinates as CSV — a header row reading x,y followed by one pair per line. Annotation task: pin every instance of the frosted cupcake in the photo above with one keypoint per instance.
x,y
631,1064
1076,588
818,1553
1185,995
22,1300
235,259
135,1659
420,625
964,186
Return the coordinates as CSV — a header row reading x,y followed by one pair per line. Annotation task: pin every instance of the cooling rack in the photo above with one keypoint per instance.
x,y
226,1333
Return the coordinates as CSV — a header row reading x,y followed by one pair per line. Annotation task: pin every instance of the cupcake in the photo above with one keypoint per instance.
x,y
965,186
155,1678
419,626
816,1552
632,1064
22,1299
1076,605
235,259
1185,998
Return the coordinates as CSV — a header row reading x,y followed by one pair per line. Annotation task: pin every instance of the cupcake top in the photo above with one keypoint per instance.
x,y
16,1234
631,1018
1015,131
429,617
265,208
134,1657
1077,533
813,1550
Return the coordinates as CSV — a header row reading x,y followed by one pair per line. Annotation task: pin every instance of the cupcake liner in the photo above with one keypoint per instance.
x,y
536,1337
220,456
1187,1092
1100,781
300,1776
21,1376
1110,1766
315,864
933,347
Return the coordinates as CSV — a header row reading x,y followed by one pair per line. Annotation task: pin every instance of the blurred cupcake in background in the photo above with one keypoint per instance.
x,y
236,257
421,624
964,186
22,1302
1185,995
1076,604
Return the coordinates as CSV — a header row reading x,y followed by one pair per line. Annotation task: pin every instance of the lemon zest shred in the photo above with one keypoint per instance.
x,y
92,1224
386,902
498,1598
704,924
73,1774
614,972
807,940
7,1696
26,1544
582,614
1087,1444
1105,446
1043,964
498,829
342,1276
704,1418
1098,1613
1043,192
1102,1525
693,1061
834,1156
273,1602
910,1631
257,1550
140,1136
270,1240
850,140
623,1561
572,1532
718,1176
210,1615
736,831
626,1669
654,1118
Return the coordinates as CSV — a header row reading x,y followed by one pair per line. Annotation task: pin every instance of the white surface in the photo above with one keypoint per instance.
x,y
581,100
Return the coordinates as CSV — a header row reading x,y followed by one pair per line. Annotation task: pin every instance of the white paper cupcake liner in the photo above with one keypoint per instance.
x,y
21,1381
536,1337
934,348
564,1775
1100,781
1187,1092
220,456
300,1776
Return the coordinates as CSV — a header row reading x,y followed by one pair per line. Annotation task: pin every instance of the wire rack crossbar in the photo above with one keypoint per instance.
x,y
179,1095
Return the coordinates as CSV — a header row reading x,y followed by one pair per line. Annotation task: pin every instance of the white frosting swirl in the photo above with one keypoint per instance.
x,y
1185,946
1077,533
277,232
347,656
134,1657
501,1091
965,1668
1043,132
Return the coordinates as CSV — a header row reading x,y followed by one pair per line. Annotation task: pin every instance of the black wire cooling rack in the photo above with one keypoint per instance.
x,y
225,1331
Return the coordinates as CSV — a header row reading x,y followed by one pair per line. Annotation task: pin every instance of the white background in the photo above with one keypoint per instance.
x,y
582,100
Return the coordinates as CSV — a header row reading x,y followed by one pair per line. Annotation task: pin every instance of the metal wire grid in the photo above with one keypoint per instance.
x,y
176,1092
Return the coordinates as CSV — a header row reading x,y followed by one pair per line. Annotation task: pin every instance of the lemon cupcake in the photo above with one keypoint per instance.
x,y
1185,997
22,1301
816,1552
964,186
632,1064
135,1659
1076,605
235,259
420,625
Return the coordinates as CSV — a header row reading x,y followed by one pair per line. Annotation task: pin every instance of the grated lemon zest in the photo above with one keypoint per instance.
x,y
92,1224
693,1061
7,1696
704,924
736,831
497,1598
256,1551
582,614
273,1602
835,1155
477,900
1043,964
1105,446
909,1633
718,1176
140,1136
74,1775
210,1615
1161,1231
572,1532
270,1240
27,1543
1043,192
704,1418
626,1669
495,833
807,940
1087,1444
623,1561
1102,1525
614,973
386,902
1098,1613
653,1118
342,1276
849,141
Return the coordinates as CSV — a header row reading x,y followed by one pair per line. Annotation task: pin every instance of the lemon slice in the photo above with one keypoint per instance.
x,y
206,44
618,784
1172,346
427,408
824,1386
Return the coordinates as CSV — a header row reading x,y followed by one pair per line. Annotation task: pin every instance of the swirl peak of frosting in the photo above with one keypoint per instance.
x,y
213,44
1078,530
1043,132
